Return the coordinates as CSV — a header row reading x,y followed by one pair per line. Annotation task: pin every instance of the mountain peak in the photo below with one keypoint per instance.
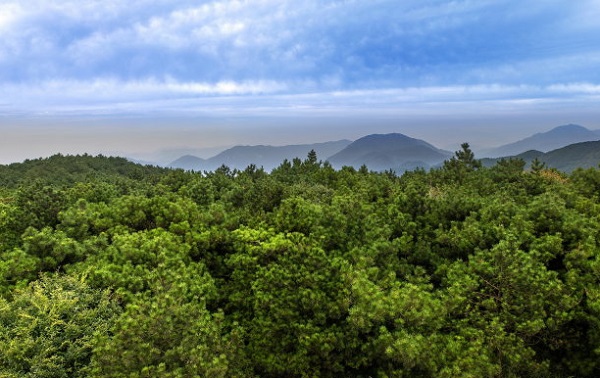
x,y
570,128
387,141
187,162
389,151
386,136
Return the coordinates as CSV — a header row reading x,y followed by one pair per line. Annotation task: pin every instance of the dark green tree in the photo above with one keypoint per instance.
x,y
462,163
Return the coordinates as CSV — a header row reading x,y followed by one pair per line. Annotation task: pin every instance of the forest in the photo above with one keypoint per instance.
x,y
114,269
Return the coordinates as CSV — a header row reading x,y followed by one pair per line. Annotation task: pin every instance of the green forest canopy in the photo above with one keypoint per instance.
x,y
112,269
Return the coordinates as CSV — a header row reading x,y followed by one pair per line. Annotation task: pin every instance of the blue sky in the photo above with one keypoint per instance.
x,y
142,75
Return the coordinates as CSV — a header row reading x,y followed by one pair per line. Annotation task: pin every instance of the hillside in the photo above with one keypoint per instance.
x,y
396,151
68,169
558,137
578,155
566,159
526,156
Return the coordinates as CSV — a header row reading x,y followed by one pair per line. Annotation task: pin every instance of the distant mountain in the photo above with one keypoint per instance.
x,y
558,137
267,157
578,155
381,152
165,157
187,162
566,159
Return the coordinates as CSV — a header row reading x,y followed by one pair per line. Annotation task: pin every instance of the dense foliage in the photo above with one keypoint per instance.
x,y
112,269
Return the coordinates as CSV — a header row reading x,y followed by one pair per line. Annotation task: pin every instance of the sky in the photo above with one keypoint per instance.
x,y
140,76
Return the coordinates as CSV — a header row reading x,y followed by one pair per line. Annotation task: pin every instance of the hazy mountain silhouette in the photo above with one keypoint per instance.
x,y
164,157
400,153
188,162
558,137
566,159
381,152
267,157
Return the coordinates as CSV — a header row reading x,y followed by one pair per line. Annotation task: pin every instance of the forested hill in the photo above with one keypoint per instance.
x,y
109,269
565,159
61,169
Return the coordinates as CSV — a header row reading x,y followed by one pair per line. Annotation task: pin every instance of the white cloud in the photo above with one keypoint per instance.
x,y
64,93
575,88
293,36
214,29
225,88
252,98
9,13
228,46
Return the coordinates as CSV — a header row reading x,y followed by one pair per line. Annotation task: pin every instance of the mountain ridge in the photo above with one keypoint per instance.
x,y
396,151
552,139
265,156
566,159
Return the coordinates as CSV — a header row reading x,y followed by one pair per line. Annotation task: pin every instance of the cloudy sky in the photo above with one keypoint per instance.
x,y
137,76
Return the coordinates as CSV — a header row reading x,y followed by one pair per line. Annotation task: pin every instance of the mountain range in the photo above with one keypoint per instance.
x,y
558,137
563,147
566,159
268,157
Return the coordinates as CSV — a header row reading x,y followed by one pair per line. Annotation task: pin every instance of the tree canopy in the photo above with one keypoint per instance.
x,y
113,269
